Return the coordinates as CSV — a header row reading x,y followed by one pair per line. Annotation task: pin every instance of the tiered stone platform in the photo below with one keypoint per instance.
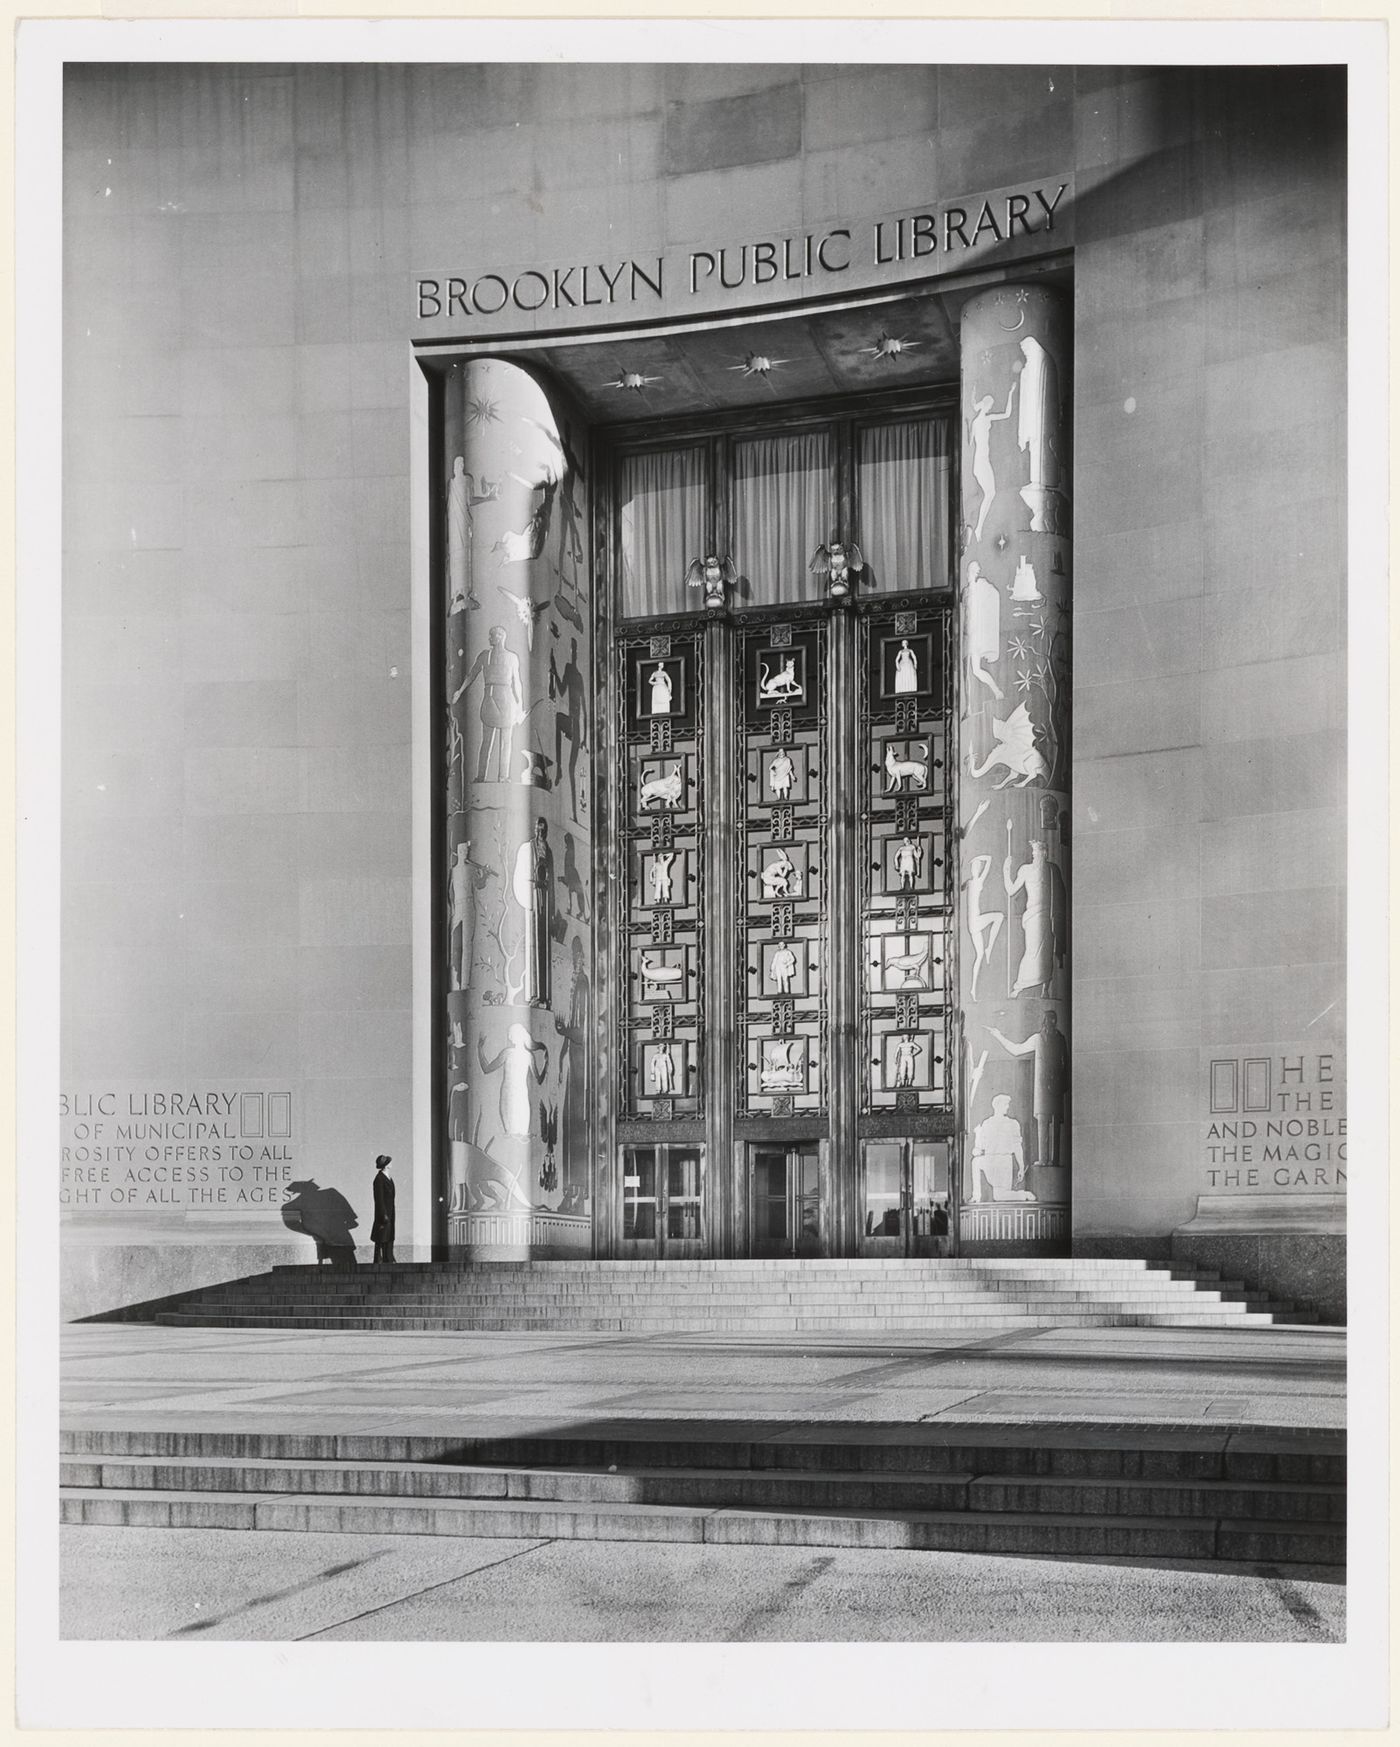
x,y
1084,1492
772,1297
1212,1440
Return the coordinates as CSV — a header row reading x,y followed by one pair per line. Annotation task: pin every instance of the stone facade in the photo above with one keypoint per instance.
x,y
244,535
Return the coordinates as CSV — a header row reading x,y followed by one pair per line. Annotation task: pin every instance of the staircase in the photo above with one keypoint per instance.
x,y
1198,1493
735,1297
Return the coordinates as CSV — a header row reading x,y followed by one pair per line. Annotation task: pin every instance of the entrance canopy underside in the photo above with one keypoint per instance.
x,y
855,346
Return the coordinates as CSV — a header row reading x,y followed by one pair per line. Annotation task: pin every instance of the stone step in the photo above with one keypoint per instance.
x,y
823,1293
543,1323
956,1295
763,1269
782,1489
822,1286
1274,1454
995,1303
970,1531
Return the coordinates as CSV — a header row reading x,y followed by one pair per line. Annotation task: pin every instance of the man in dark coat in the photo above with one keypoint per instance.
x,y
382,1231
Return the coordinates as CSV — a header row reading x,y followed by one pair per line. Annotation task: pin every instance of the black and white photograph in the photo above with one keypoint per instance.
x,y
703,875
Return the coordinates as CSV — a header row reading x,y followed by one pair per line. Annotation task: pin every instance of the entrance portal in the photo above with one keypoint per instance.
x,y
767,843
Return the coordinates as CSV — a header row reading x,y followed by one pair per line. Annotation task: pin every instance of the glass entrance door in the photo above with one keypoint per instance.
x,y
663,1202
907,1190
786,1208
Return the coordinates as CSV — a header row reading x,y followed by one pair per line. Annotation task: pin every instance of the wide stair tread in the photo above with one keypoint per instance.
x,y
957,1295
974,1531
1271,1494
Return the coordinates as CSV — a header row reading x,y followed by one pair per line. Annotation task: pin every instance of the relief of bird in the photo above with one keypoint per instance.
x,y
526,610
529,542
840,564
714,574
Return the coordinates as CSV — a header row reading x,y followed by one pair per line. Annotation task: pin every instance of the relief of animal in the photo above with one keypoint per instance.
x,y
910,967
665,789
899,771
1015,748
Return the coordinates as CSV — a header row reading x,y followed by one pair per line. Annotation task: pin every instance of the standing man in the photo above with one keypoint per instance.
x,y
382,1231
533,886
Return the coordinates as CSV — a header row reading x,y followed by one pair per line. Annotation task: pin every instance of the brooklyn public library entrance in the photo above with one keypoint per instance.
x,y
753,666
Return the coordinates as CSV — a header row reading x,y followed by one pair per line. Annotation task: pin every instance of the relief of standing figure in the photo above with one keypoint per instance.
x,y
533,889
502,703
979,432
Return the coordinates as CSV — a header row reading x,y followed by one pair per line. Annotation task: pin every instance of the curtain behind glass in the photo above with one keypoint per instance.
x,y
783,510
904,484
662,498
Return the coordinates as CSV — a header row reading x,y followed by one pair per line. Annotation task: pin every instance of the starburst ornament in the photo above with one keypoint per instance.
x,y
632,381
759,364
889,346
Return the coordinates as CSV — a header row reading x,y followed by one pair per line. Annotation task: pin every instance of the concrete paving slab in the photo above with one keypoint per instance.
x,y
1286,1377
191,1585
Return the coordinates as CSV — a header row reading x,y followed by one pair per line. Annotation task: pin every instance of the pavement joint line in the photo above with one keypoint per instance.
x,y
1286,1592
276,1595
427,1589
796,1585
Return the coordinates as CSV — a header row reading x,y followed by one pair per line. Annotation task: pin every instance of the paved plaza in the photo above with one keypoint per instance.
x,y
202,1585
420,1384
190,1584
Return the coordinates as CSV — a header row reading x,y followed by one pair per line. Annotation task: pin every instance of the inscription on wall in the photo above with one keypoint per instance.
x,y
177,1149
1276,1122
1013,222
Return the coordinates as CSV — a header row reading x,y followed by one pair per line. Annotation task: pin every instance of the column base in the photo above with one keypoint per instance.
x,y
1013,1228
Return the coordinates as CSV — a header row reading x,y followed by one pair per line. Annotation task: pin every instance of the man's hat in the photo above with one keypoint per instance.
x,y
381,1161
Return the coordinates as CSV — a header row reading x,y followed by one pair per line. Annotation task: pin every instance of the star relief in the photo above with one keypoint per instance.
x,y
889,346
483,412
1001,542
759,364
631,381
